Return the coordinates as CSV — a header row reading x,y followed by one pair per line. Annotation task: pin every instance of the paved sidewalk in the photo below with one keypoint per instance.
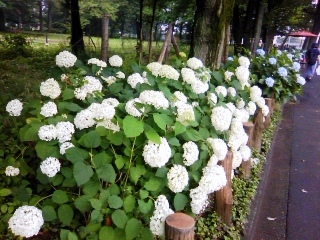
x,y
287,205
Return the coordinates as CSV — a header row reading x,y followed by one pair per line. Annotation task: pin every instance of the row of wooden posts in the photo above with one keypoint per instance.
x,y
180,225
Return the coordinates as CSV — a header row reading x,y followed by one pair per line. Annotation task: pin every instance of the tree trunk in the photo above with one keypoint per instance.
x,y
154,7
236,30
258,26
251,14
140,37
2,20
40,16
77,43
105,37
212,18
49,26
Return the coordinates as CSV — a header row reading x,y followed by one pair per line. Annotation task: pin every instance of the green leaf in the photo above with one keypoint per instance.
x,y
133,228
132,127
101,159
45,149
69,106
137,172
65,214
145,207
30,132
162,172
129,203
83,204
116,138
72,236
60,197
119,218
91,188
76,154
180,201
82,173
159,120
154,184
90,140
174,142
106,172
115,202
179,128
153,136
146,234
49,214
68,94
143,194
192,135
106,233
5,192
96,204
120,161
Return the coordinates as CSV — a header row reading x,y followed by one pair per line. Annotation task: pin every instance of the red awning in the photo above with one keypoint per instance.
x,y
302,33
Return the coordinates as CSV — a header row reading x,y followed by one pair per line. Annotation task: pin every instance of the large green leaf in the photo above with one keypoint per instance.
x,y
153,136
5,192
106,233
83,204
119,218
115,202
133,228
180,201
45,149
154,184
137,172
106,172
90,140
68,94
69,106
96,204
145,207
60,197
76,154
129,203
49,214
179,128
132,127
30,132
116,138
65,214
82,173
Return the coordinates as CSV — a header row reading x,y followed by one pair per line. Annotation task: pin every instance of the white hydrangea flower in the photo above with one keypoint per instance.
x,y
194,63
242,73
50,88
154,98
157,155
221,90
260,52
232,91
115,61
282,71
199,87
132,109
84,119
50,166
228,75
64,146
236,159
178,98
238,136
134,79
221,118
290,56
12,171
47,132
269,81
245,152
296,66
199,200
162,210
178,178
265,110
241,114
154,68
167,71
190,153
14,107
231,107
213,178
251,107
64,131
213,98
244,61
108,124
120,75
213,160
240,103
97,62
113,102
219,147
255,93
102,111
188,76
26,221
109,80
185,113
49,109
273,61
300,80
65,59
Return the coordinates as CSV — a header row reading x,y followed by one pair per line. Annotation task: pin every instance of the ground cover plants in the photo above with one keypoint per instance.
x,y
105,153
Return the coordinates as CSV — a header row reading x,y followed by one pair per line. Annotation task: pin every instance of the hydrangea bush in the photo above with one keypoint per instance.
x,y
106,153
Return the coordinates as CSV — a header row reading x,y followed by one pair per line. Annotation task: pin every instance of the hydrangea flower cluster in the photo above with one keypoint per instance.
x,y
62,131
219,147
269,81
162,210
97,62
134,79
157,155
228,75
115,61
178,178
50,88
26,221
221,90
221,118
49,109
194,63
273,61
185,113
260,52
190,153
50,166
197,85
91,86
132,109
300,79
154,98
14,107
65,59
12,171
282,71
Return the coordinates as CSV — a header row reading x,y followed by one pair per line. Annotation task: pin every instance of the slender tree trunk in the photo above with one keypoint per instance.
x,y
251,14
212,18
49,24
2,20
154,6
258,26
40,15
140,32
236,29
77,43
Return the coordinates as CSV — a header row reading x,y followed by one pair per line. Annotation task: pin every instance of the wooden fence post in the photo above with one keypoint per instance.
x,y
179,226
223,197
258,128
246,165
105,37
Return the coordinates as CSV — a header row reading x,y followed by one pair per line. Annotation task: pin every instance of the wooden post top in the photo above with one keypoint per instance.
x,y
180,221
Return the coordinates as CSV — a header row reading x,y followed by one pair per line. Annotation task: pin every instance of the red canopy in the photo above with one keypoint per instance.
x,y
302,33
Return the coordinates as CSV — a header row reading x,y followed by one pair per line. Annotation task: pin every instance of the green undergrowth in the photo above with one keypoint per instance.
x,y
209,226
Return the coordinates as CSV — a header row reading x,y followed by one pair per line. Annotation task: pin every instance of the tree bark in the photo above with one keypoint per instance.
x,y
77,43
105,37
151,29
2,20
258,26
40,15
212,18
179,226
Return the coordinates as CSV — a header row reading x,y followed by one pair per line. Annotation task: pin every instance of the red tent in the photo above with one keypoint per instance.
x,y
302,33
